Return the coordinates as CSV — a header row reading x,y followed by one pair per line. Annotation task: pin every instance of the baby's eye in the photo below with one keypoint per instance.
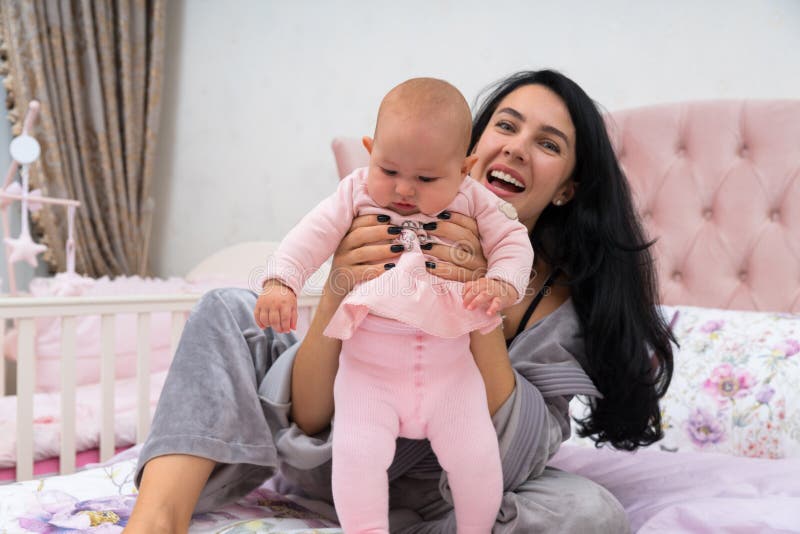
x,y
426,179
389,172
553,147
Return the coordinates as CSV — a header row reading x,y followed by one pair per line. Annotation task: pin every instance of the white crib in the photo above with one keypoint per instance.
x,y
25,310
22,313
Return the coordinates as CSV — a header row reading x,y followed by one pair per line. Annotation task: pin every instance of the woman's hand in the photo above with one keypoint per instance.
x,y
464,259
364,253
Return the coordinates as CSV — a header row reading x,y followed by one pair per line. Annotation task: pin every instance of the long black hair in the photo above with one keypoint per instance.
x,y
596,239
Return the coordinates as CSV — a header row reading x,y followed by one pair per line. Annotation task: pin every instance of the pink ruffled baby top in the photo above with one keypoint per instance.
x,y
408,292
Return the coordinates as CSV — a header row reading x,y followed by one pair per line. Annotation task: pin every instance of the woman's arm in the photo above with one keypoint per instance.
x,y
491,357
314,370
361,256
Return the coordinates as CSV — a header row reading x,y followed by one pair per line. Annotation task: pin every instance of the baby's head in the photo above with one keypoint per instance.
x,y
418,155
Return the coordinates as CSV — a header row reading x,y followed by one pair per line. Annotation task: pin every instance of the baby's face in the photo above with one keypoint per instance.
x,y
414,169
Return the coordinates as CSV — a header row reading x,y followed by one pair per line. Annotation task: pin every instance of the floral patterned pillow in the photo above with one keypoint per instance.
x,y
736,386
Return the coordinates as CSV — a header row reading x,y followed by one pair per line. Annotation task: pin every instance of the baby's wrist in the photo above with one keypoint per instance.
x,y
272,283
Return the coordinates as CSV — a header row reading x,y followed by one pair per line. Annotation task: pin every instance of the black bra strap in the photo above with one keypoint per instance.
x,y
535,302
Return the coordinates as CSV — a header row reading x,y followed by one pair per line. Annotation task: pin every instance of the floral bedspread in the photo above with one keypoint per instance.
x,y
100,500
734,390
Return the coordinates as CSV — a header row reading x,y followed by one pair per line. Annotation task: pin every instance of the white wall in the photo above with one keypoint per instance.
x,y
256,89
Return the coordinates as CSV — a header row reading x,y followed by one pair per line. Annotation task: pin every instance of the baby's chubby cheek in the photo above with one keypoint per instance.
x,y
381,195
435,203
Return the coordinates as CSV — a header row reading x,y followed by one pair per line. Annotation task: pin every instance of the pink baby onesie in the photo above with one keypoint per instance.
x,y
405,367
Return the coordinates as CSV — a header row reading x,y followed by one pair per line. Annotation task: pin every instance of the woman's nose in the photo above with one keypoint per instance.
x,y
515,151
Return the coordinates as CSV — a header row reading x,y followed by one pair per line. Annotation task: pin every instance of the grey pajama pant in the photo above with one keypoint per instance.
x,y
219,403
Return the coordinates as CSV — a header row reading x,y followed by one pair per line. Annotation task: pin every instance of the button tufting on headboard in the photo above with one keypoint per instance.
x,y
716,202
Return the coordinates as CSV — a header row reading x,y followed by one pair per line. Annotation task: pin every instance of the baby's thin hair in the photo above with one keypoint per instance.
x,y
430,99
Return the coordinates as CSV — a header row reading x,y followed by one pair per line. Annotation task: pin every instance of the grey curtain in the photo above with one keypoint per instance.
x,y
96,67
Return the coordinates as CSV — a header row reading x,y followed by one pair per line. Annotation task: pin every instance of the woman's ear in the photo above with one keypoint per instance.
x,y
565,193
367,142
469,162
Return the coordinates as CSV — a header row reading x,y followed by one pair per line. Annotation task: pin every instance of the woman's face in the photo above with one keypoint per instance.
x,y
526,154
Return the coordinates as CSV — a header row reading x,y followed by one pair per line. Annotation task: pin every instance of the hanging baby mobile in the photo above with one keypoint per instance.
x,y
25,151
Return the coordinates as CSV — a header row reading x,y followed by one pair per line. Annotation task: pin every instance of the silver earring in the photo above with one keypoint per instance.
x,y
558,202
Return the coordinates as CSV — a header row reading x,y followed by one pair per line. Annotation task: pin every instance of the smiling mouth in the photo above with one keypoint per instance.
x,y
505,181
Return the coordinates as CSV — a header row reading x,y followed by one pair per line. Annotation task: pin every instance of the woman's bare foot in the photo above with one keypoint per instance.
x,y
168,494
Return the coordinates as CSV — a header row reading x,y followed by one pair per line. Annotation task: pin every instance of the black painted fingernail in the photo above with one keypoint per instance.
x,y
426,246
383,218
394,230
397,248
444,215
388,266
429,226
430,265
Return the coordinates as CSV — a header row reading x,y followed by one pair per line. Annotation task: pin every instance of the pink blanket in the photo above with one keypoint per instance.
x,y
694,492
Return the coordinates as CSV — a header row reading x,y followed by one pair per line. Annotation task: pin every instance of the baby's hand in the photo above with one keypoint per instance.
x,y
276,307
493,295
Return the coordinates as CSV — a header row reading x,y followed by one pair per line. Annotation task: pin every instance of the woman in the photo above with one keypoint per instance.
x,y
588,326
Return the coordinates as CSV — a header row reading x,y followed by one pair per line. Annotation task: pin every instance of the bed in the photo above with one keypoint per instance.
x,y
718,184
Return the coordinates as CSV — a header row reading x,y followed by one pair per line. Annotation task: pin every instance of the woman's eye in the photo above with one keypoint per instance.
x,y
505,125
388,172
553,147
426,179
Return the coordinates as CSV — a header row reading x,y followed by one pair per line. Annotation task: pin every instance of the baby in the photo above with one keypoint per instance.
x,y
405,367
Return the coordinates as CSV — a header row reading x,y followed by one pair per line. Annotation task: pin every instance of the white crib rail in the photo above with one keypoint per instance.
x,y
25,310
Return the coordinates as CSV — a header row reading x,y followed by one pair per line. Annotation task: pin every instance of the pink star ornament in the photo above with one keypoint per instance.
x,y
23,248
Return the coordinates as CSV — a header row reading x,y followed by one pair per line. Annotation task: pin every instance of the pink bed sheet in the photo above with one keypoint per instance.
x,y
694,492
51,466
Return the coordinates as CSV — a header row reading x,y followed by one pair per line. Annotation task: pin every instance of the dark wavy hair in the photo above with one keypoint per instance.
x,y
596,239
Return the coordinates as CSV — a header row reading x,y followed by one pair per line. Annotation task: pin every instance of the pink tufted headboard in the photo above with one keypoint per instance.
x,y
718,184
